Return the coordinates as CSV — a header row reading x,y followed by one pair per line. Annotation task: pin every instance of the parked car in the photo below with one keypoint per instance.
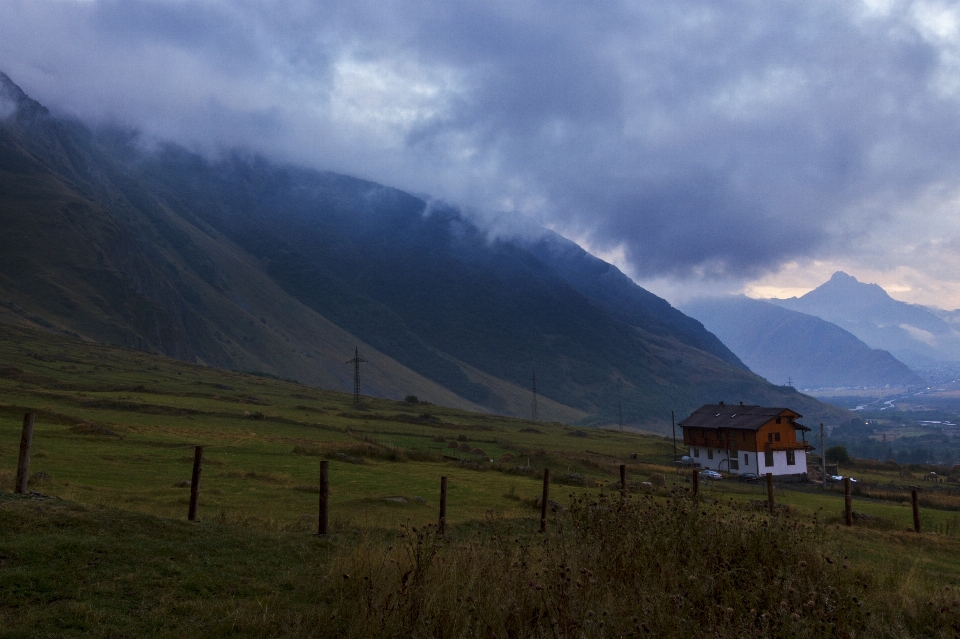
x,y
752,478
710,474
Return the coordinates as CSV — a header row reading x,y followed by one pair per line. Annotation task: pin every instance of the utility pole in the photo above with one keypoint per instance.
x,y
533,406
823,458
673,425
356,361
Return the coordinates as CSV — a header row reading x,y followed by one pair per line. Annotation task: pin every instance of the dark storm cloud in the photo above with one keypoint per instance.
x,y
711,139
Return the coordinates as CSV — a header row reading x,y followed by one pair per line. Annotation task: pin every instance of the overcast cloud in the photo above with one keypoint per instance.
x,y
716,144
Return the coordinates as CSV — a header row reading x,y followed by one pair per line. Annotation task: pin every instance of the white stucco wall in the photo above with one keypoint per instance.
x,y
755,463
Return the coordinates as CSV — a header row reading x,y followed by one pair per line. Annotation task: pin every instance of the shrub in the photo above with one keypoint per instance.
x,y
411,399
838,455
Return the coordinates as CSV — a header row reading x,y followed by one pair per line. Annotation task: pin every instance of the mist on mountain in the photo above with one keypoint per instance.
x,y
238,262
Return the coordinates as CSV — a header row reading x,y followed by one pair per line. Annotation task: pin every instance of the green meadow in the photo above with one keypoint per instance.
x,y
101,547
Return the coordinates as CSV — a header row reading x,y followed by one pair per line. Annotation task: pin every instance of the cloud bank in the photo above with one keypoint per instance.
x,y
703,141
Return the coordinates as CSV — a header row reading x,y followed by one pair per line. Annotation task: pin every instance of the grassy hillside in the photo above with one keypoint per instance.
x,y
102,547
134,418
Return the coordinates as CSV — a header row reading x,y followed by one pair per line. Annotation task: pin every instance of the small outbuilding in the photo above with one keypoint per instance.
x,y
741,439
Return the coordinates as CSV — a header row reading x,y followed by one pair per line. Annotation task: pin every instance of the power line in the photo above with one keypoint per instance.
x,y
533,411
356,361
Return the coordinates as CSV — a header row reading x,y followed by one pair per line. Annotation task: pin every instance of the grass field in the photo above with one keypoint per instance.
x,y
103,548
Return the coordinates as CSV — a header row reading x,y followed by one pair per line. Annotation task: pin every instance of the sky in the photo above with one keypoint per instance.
x,y
703,147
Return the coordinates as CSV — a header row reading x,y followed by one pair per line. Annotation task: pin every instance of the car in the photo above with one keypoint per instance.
x,y
752,478
710,474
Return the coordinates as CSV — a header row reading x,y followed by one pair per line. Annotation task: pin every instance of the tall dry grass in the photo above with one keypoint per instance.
x,y
644,567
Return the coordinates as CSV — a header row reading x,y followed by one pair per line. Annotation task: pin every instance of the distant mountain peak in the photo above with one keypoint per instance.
x,y
847,287
911,333
840,276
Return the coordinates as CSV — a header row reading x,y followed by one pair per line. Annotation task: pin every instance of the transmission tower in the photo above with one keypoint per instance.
x,y
356,361
533,411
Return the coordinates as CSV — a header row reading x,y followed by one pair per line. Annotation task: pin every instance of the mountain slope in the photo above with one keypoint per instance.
x,y
781,344
241,263
619,296
911,333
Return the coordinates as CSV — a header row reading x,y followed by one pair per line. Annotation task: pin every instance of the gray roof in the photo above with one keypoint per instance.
x,y
737,416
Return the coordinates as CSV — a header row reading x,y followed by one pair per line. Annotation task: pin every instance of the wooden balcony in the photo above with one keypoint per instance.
x,y
801,445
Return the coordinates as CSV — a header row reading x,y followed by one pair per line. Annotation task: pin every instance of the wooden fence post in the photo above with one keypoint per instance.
x,y
544,499
623,480
324,498
195,482
23,463
771,504
443,506
847,502
916,510
696,483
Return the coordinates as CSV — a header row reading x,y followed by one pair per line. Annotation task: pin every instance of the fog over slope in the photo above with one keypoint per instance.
x,y
241,262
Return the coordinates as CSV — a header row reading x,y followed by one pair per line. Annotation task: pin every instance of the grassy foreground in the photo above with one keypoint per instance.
x,y
651,566
102,548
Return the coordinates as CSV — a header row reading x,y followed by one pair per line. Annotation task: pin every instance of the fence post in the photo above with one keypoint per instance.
x,y
23,463
916,510
195,482
324,498
696,484
770,502
847,502
544,500
623,480
443,506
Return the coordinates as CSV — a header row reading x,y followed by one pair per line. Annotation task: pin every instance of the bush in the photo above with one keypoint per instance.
x,y
411,399
838,455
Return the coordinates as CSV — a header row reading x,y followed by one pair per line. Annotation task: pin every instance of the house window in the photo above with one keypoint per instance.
x,y
734,464
791,458
770,437
776,437
768,458
709,453
778,420
746,459
696,452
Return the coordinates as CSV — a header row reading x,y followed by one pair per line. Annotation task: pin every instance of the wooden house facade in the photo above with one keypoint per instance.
x,y
740,439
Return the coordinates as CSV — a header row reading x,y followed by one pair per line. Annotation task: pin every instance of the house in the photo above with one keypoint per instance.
x,y
747,439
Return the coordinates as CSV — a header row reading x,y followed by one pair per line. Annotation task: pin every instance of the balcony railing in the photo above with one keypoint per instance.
x,y
801,445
